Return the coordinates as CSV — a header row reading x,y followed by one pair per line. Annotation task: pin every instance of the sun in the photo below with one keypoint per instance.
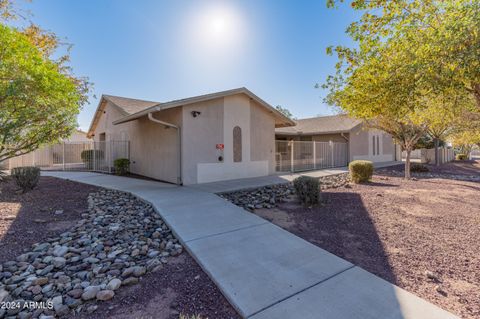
x,y
219,26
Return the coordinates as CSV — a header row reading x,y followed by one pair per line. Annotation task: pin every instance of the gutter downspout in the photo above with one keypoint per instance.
x,y
348,148
179,137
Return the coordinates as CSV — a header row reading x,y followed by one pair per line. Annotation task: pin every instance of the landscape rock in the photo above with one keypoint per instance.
x,y
105,295
270,196
114,284
118,239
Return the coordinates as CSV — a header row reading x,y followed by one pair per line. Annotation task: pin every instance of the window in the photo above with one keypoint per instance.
x,y
373,140
378,145
237,144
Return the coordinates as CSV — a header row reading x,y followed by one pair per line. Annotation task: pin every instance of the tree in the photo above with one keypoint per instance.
x,y
444,33
447,113
39,96
285,112
409,54
466,140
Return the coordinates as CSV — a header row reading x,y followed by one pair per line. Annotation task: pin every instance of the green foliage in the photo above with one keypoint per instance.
x,y
360,171
427,142
121,165
307,190
89,157
285,111
419,168
26,177
413,70
461,157
40,97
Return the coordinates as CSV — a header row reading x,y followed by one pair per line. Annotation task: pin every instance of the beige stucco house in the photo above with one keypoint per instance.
x,y
213,137
362,143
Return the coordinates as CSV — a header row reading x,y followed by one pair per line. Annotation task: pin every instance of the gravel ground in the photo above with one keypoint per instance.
x,y
30,218
422,235
59,208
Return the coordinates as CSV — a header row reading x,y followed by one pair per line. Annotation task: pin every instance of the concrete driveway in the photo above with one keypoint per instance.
x,y
263,270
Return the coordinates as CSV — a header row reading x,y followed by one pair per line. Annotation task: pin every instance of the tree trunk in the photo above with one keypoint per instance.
x,y
407,163
437,159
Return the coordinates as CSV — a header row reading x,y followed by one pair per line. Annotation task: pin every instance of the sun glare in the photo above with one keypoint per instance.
x,y
217,27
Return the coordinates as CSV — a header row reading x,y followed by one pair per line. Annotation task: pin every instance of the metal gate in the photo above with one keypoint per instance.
x,y
295,156
71,156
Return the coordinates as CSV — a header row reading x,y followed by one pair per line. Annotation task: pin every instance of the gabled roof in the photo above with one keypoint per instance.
x,y
125,105
128,105
134,108
320,125
281,120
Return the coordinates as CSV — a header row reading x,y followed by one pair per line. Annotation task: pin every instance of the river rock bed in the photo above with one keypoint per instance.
x,y
118,240
270,196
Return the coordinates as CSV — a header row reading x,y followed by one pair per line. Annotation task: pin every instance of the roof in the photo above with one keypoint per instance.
x,y
128,105
281,120
320,125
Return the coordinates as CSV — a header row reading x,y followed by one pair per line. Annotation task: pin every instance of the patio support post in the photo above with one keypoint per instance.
x,y
314,155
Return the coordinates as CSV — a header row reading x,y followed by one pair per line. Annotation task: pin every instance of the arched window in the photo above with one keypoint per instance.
x,y
237,144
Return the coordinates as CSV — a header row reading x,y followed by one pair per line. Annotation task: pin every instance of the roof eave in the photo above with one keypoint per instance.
x,y
283,120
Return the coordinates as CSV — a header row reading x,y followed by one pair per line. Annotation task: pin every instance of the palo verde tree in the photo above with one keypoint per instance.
x,y
39,95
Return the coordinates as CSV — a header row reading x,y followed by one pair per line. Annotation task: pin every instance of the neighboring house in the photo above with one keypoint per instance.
x,y
362,143
213,137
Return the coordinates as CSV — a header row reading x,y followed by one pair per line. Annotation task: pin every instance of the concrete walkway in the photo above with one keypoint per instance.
x,y
255,182
263,270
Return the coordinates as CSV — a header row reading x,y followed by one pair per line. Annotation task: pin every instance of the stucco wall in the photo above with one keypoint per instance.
x,y
200,135
262,136
153,148
336,138
215,125
361,145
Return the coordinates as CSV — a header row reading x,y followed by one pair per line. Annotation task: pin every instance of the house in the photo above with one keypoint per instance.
x,y
212,137
349,136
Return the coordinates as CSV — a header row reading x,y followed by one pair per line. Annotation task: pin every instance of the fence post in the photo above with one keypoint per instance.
x,y
63,155
292,167
332,147
110,157
314,155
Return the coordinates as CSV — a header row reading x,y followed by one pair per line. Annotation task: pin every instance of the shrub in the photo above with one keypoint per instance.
x,y
419,168
122,166
307,190
26,177
461,157
360,171
90,156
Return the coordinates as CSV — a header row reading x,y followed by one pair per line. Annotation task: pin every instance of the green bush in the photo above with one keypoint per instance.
x,y
419,168
307,190
90,156
360,171
121,165
26,177
461,157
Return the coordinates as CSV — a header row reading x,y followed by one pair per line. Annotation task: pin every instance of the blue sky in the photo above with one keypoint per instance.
x,y
164,50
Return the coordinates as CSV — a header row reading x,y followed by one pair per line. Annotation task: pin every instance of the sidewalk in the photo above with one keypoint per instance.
x,y
255,182
263,270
